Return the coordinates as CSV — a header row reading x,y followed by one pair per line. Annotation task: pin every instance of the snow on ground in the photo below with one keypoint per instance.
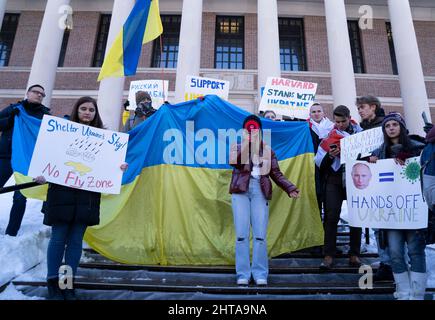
x,y
28,249
24,257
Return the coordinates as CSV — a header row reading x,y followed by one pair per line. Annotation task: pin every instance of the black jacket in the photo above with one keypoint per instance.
x,y
376,122
6,125
70,205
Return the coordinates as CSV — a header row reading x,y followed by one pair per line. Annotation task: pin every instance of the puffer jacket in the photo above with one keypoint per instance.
x,y
242,173
70,205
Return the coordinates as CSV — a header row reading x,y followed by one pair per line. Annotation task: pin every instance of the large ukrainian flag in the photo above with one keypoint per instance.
x,y
181,213
143,25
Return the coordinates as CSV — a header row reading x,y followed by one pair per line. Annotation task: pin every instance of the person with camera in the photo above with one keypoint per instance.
x,y
143,111
32,105
332,171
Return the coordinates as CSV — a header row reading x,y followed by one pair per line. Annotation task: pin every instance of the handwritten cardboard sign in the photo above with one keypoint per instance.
x,y
288,97
385,195
199,87
158,90
361,143
79,156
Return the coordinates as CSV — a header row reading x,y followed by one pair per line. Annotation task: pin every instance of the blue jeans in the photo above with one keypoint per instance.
x,y
416,245
384,255
19,201
251,208
71,236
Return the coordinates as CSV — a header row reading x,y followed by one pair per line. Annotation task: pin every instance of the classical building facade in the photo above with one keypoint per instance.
x,y
349,47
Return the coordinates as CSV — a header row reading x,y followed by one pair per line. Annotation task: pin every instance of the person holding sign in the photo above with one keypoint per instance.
x,y
410,284
328,161
143,111
254,162
69,211
33,106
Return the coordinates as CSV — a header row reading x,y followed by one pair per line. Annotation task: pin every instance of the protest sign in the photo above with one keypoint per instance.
x,y
288,97
385,195
199,87
79,156
361,143
158,90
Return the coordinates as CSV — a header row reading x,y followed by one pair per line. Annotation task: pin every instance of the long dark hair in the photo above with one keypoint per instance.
x,y
96,122
404,140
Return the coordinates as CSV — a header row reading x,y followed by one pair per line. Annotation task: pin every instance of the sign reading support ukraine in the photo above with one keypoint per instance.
x,y
385,195
199,87
288,97
79,156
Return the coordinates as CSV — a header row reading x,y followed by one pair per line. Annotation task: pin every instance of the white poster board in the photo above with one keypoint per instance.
x,y
158,90
198,87
360,143
385,195
79,156
292,98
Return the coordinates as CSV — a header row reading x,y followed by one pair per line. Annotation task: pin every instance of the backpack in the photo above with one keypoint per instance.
x,y
427,175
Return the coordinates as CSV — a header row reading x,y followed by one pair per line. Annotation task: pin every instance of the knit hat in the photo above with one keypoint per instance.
x,y
252,121
142,95
396,117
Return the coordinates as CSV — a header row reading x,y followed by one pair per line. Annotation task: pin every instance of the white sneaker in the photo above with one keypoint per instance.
x,y
261,282
242,282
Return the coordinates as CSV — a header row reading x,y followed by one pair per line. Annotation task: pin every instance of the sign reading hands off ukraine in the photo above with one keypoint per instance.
x,y
385,195
79,156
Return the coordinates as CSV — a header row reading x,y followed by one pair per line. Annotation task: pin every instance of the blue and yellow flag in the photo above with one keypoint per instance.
x,y
175,208
143,25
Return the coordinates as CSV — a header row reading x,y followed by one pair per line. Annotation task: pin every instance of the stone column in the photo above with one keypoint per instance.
x,y
340,56
411,77
189,50
111,90
46,57
268,42
2,11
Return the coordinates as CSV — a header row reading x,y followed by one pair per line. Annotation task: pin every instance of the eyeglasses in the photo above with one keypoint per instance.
x,y
38,92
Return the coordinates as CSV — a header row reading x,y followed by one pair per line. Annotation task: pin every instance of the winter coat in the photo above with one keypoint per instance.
x,y
7,125
242,174
375,123
70,205
413,151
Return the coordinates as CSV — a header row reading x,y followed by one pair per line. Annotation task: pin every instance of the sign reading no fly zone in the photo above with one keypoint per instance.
x,y
79,156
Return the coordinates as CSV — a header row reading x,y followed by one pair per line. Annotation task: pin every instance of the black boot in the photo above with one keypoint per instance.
x,y
54,292
69,294
384,273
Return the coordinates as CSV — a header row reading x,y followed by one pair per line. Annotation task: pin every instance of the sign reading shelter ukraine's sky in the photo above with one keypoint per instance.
x,y
199,87
288,97
385,195
79,156
158,90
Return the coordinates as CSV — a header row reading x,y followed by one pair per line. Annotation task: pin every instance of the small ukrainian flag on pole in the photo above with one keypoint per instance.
x,y
143,25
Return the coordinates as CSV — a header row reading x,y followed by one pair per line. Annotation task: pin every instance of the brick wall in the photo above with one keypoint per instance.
x,y
425,32
251,54
316,44
82,39
376,50
26,38
208,39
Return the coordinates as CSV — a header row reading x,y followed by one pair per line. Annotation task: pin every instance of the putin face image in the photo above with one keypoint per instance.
x,y
361,175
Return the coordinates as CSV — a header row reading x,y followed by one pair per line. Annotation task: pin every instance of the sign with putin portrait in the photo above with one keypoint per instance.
x,y
385,195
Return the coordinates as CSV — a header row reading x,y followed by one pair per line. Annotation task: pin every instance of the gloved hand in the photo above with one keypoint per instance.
x,y
427,127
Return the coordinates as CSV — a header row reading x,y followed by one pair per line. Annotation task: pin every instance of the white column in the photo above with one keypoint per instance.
x,y
111,90
340,56
411,76
46,57
268,41
2,11
189,50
